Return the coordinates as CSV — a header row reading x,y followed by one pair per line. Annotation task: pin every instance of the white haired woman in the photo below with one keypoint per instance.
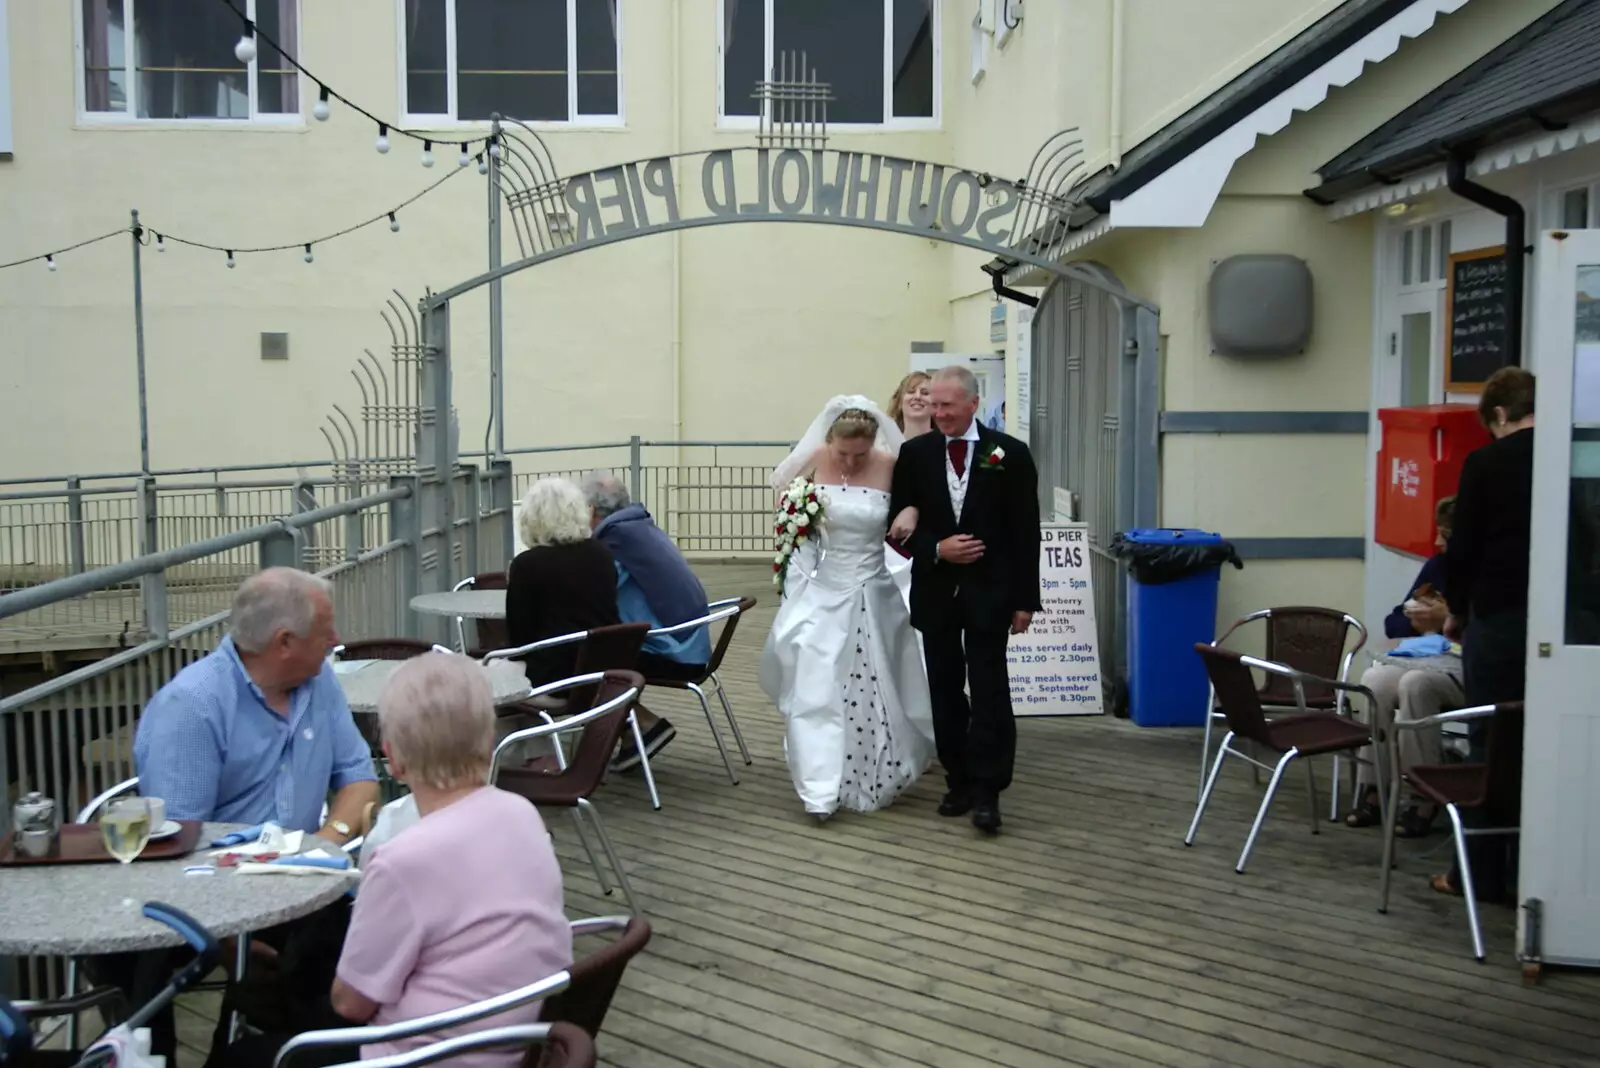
x,y
449,912
565,581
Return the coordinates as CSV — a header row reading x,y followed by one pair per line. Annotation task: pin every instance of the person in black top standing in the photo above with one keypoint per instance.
x,y
565,581
1486,578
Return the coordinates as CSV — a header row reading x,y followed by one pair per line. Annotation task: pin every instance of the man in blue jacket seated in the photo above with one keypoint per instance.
x,y
655,585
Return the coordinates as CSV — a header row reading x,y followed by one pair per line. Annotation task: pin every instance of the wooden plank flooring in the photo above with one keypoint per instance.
x,y
1087,934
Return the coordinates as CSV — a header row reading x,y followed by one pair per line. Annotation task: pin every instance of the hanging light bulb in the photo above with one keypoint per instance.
x,y
494,146
383,139
466,157
320,110
49,263
245,50
161,246
231,261
483,163
308,254
427,153
394,224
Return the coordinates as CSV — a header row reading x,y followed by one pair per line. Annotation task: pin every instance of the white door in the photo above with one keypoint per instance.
x,y
1561,770
989,369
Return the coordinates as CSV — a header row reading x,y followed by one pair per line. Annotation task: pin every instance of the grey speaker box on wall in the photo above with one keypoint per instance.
x,y
1259,306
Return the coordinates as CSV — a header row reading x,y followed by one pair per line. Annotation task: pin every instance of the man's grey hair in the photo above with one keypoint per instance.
x,y
274,600
956,373
605,493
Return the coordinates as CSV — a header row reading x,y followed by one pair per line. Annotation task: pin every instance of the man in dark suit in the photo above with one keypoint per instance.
x,y
974,582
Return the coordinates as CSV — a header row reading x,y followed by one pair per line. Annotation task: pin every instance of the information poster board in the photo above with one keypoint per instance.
x,y
1055,667
1475,318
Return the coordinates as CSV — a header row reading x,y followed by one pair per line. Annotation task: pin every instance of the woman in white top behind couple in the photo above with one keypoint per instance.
x,y
842,663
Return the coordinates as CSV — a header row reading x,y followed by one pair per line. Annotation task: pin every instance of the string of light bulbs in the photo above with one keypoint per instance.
x,y
159,237
246,51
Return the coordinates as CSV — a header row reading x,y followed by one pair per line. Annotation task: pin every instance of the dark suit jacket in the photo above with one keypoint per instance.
x,y
1001,510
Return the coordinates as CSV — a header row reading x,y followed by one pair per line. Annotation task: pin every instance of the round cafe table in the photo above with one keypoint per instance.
x,y
468,604
363,681
84,910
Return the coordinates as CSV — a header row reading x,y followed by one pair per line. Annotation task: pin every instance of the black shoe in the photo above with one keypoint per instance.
x,y
655,739
955,803
986,816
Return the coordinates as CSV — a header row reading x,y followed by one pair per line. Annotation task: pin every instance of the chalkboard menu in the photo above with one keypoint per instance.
x,y
1475,315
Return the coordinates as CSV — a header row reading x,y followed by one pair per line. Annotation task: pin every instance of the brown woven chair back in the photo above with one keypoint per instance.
x,y
567,1047
590,758
1236,691
595,979
385,649
1308,639
492,633
725,639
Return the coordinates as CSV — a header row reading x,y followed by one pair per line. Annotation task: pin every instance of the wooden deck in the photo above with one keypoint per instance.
x,y
1087,934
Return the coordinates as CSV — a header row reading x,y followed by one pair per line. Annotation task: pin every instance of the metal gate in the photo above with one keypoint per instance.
x,y
1081,433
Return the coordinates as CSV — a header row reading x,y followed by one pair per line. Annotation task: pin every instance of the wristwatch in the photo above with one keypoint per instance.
x,y
341,826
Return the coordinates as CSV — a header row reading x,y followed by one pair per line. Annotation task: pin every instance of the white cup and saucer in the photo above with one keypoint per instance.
x,y
160,827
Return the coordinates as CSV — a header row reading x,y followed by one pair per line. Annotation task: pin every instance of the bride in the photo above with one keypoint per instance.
x,y
841,661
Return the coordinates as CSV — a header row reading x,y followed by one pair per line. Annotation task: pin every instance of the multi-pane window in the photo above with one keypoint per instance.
x,y
1580,208
1425,254
174,59
879,58
534,60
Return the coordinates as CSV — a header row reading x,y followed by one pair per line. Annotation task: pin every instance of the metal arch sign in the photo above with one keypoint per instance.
x,y
1018,219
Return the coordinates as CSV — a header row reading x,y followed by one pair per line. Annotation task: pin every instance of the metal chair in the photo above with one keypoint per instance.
x,y
491,633
1494,785
1306,734
1314,642
571,785
339,1037
548,1046
596,977
610,648
729,610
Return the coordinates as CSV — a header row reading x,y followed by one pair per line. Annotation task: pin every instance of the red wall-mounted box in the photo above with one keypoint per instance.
x,y
1419,464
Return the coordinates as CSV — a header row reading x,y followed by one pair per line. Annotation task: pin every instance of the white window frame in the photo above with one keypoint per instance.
x,y
891,123
448,121
1556,206
130,117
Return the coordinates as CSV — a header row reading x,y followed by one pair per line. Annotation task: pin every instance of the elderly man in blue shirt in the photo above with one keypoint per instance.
x,y
257,731
655,585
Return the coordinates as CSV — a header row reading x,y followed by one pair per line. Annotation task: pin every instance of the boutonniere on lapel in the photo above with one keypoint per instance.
x,y
993,460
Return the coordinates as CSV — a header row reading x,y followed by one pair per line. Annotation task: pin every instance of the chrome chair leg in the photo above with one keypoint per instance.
x,y
644,759
1468,891
611,854
733,724
1391,816
1335,784
594,862
1205,794
72,990
716,735
1266,803
1311,792
1205,742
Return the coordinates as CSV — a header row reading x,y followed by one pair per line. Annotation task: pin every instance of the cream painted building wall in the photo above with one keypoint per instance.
x,y
598,346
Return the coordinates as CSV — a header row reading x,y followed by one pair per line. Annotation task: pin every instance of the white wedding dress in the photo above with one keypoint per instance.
x,y
844,667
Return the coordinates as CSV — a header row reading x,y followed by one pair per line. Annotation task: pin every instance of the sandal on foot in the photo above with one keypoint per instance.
x,y
1413,824
1442,885
1366,814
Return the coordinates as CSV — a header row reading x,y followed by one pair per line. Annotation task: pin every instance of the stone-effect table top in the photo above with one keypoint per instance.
x,y
468,604
363,681
86,909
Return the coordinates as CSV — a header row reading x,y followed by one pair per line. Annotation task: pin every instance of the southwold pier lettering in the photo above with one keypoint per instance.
x,y
882,191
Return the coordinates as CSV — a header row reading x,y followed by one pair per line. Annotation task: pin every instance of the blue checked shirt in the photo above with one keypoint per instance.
x,y
211,747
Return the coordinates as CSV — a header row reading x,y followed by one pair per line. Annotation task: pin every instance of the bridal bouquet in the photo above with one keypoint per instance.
x,y
801,514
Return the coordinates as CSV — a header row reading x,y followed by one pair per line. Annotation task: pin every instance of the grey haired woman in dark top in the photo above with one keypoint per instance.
x,y
565,581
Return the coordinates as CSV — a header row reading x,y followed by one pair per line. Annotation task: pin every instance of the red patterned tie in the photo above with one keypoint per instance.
x,y
958,455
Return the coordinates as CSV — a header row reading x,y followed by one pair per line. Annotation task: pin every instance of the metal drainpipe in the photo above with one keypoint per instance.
x,y
1516,244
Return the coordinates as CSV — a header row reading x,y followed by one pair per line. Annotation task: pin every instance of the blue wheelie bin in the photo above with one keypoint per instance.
x,y
1172,604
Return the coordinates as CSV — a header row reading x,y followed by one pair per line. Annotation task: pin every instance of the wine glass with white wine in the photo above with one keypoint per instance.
x,y
125,827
